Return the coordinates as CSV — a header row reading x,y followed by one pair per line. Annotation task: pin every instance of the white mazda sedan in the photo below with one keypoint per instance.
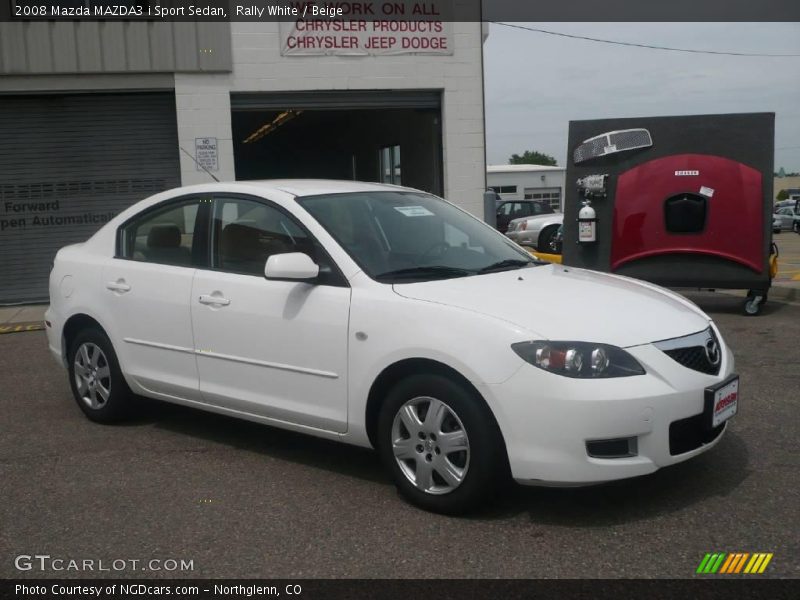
x,y
383,316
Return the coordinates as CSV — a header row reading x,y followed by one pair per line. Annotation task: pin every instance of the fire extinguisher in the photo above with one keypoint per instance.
x,y
587,223
591,186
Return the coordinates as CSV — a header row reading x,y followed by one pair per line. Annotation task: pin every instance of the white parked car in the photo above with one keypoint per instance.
x,y
383,316
538,231
785,219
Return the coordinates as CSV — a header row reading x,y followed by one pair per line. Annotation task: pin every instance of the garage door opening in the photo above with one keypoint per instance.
x,y
388,137
69,163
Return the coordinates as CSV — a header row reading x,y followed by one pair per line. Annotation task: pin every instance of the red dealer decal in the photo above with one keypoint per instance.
x,y
726,401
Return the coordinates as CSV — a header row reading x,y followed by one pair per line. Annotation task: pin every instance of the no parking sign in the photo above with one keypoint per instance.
x,y
205,154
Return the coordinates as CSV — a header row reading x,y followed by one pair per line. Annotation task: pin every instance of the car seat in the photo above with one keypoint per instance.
x,y
164,246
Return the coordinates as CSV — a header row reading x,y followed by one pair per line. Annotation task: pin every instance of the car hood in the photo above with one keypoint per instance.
x,y
565,303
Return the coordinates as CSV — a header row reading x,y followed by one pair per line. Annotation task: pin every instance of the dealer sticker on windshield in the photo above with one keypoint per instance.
x,y
725,401
414,211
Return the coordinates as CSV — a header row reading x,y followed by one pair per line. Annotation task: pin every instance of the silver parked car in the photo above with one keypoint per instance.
x,y
785,219
536,231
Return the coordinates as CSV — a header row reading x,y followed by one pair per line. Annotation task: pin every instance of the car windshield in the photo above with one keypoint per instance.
x,y
398,236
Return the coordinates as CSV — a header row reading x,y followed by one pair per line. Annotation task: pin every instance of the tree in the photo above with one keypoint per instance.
x,y
782,195
532,157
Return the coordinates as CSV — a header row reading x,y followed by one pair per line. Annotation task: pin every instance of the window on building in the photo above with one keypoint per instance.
x,y
550,197
505,189
391,171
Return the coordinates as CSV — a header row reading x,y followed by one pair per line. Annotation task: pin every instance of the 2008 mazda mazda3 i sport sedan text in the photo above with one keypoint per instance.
x,y
383,316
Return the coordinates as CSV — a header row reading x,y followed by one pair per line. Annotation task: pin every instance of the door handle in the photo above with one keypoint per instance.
x,y
118,286
213,300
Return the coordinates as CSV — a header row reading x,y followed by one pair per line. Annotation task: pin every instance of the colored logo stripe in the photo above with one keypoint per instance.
x,y
727,564
711,562
734,563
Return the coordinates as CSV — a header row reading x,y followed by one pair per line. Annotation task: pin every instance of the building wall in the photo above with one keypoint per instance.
x,y
203,101
527,180
59,47
785,183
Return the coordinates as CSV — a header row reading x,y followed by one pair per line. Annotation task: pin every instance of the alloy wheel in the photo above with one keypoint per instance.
x,y
92,375
430,445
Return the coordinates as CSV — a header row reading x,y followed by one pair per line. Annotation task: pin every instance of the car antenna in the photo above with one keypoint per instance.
x,y
209,173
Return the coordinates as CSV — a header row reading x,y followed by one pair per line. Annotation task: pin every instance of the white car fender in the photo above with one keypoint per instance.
x,y
476,346
76,280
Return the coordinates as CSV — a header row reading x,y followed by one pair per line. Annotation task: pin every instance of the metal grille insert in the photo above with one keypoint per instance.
x,y
612,142
699,351
628,139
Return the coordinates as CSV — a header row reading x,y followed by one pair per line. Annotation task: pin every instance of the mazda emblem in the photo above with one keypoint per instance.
x,y
712,352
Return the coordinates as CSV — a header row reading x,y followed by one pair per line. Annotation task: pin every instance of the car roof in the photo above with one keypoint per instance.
x,y
313,187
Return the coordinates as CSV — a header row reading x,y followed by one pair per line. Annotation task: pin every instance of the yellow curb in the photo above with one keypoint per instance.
x,y
553,258
20,327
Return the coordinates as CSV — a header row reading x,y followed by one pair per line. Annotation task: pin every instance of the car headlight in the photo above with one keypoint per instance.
x,y
582,360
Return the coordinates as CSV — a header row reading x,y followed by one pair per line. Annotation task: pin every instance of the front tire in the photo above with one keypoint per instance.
x,y
97,383
543,244
441,444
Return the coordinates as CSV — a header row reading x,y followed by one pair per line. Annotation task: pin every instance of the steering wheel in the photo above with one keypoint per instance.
x,y
444,248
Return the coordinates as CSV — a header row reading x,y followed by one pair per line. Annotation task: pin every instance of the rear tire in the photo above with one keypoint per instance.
x,y
96,380
441,444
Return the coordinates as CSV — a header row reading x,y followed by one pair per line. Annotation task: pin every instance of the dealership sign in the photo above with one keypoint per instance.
x,y
369,28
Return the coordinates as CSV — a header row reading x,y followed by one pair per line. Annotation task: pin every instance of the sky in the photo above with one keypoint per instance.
x,y
536,83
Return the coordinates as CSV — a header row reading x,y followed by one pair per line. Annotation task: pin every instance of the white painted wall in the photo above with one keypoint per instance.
x,y
203,101
551,178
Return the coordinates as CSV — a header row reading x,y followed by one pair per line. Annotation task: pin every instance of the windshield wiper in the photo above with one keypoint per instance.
x,y
507,264
412,272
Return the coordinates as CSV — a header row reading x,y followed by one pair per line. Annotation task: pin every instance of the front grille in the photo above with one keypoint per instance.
x,y
610,142
693,358
590,149
691,433
695,351
631,138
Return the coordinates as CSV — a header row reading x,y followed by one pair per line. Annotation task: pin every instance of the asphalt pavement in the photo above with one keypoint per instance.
x,y
788,244
243,500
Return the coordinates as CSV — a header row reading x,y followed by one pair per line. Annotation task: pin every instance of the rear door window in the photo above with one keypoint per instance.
x,y
165,235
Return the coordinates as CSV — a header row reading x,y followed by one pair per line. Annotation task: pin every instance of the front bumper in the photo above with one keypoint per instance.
x,y
547,420
53,327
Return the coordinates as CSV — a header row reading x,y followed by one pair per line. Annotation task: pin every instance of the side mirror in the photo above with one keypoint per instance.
x,y
292,266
